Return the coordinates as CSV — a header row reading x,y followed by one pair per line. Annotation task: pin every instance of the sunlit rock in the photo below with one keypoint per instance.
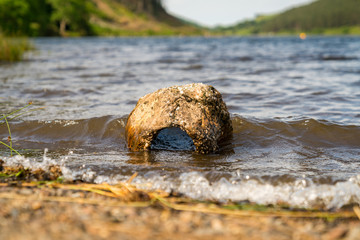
x,y
197,109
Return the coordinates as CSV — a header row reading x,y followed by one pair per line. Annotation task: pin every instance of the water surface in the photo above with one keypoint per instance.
x,y
295,109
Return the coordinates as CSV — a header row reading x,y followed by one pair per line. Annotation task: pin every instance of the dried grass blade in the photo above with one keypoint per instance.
x,y
132,178
87,188
218,210
357,211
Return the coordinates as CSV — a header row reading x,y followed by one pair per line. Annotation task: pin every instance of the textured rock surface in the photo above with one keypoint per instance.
x,y
197,109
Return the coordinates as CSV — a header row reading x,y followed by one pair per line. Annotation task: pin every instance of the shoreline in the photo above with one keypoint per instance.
x,y
52,209
213,35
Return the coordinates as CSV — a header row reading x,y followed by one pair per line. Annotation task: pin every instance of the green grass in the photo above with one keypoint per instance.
x,y
13,49
8,117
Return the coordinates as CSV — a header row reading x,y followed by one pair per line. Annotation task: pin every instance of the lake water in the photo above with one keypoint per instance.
x,y
295,107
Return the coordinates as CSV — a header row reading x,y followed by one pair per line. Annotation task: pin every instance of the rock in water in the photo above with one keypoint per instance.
x,y
197,109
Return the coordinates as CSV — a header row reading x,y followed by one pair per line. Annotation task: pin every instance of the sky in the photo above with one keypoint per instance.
x,y
226,12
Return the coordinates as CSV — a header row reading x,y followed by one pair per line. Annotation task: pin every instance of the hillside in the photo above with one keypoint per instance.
x,y
141,17
90,17
318,17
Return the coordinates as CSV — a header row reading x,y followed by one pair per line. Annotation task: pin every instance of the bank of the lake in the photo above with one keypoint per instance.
x,y
54,210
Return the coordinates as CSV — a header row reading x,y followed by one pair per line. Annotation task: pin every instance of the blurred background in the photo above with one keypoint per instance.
x,y
177,17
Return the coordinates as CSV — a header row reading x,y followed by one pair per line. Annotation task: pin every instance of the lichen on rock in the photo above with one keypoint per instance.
x,y
197,109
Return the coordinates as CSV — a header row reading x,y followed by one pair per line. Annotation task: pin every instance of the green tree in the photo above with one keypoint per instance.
x,y
320,14
25,17
71,15
39,19
13,16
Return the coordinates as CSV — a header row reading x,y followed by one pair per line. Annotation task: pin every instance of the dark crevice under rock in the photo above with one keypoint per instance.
x,y
172,139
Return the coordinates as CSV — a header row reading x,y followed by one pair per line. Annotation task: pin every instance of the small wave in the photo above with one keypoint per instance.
x,y
110,130
262,71
100,131
243,59
309,132
235,59
193,67
337,58
296,193
315,57
356,83
71,68
101,75
48,93
169,60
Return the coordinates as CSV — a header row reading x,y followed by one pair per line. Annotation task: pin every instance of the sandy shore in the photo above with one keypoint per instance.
x,y
38,205
82,211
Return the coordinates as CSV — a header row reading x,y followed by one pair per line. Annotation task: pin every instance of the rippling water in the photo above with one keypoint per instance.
x,y
295,109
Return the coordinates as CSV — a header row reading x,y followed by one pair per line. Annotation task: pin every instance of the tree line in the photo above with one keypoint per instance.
x,y
314,17
320,14
44,17
61,17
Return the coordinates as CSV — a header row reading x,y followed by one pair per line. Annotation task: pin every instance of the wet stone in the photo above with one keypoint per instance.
x,y
188,117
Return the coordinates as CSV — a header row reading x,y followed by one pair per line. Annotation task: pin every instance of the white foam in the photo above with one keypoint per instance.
x,y
31,163
299,193
43,163
296,194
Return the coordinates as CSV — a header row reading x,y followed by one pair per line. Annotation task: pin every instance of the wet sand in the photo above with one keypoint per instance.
x,y
76,211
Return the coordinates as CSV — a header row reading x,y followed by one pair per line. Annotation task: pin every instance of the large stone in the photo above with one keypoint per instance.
x,y
197,109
